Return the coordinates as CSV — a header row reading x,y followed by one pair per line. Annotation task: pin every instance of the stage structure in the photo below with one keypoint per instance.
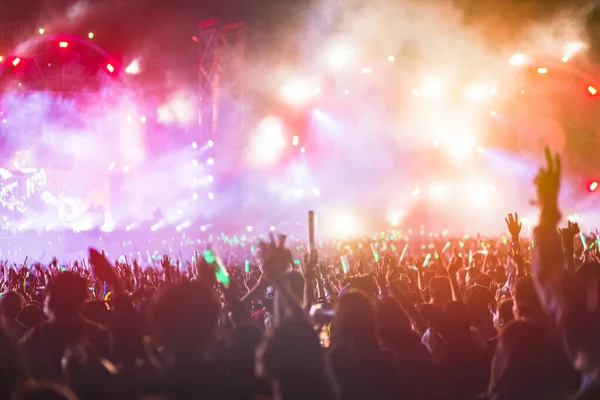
x,y
221,86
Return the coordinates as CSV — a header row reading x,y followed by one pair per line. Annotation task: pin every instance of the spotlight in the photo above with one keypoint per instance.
x,y
296,92
91,35
518,59
133,68
211,143
391,58
41,31
63,45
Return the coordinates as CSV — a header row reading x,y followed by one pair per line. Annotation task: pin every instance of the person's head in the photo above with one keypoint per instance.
x,y
526,301
32,315
353,328
471,276
527,362
293,358
392,323
479,299
242,346
11,304
184,318
66,294
504,314
440,290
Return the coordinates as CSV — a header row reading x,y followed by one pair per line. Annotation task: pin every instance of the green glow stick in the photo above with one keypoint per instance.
x,y
247,266
436,255
446,247
220,271
375,253
583,241
403,252
427,258
345,266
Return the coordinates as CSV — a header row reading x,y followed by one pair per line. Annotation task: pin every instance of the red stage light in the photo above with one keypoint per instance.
x,y
110,68
63,45
593,186
16,61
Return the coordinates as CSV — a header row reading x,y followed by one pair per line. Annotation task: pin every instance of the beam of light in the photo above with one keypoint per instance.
x,y
324,119
133,68
518,59
571,49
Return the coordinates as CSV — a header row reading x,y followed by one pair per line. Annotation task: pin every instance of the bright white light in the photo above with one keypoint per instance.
x,y
571,49
432,89
479,194
395,217
342,224
416,192
272,228
111,166
493,90
302,149
476,93
143,119
194,145
41,31
438,191
210,161
542,70
91,35
195,162
211,143
210,178
249,228
367,70
459,146
346,92
133,68
416,92
518,59
316,191
296,92
316,91
203,228
195,196
211,196
266,145
391,58
129,119
180,108
339,56
126,168
295,141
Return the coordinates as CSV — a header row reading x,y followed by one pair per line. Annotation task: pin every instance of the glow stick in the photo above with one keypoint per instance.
x,y
470,257
345,266
436,255
446,247
220,271
375,253
247,266
427,258
582,237
403,252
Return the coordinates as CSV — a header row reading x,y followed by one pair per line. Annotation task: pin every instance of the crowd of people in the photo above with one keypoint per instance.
x,y
388,317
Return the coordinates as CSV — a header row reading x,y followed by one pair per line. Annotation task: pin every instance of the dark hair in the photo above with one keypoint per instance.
x,y
184,318
66,294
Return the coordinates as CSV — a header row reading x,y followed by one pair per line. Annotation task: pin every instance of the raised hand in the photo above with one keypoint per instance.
x,y
381,273
547,184
570,231
514,225
455,265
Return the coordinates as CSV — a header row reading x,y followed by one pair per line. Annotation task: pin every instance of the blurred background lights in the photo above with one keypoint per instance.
x,y
210,143
249,228
391,58
133,68
272,228
593,186
211,196
210,161
542,70
210,178
91,35
592,90
41,31
296,92
194,145
475,93
432,88
339,56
